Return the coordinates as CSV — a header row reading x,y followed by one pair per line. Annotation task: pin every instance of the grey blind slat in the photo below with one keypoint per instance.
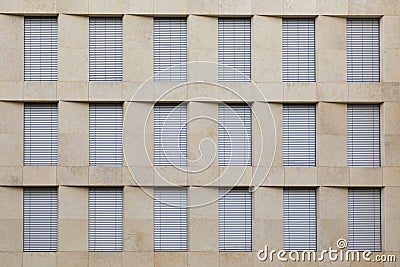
x,y
40,219
170,49
105,134
299,135
234,135
40,48
364,219
105,219
40,134
363,56
363,135
170,134
170,219
234,49
235,219
299,219
105,49
298,50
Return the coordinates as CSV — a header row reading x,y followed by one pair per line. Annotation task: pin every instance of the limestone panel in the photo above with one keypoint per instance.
x,y
40,259
73,51
12,47
145,259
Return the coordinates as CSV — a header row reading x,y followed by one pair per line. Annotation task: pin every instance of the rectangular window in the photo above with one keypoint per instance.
x,y
170,219
234,49
105,134
299,135
364,219
105,219
105,49
40,219
170,134
40,48
298,50
235,219
299,219
363,136
40,134
170,49
234,135
363,56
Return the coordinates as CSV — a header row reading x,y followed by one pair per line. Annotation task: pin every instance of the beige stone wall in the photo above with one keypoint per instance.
x,y
73,92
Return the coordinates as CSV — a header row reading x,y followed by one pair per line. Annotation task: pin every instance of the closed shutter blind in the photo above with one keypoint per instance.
x,y
40,134
170,49
235,219
364,219
363,136
299,219
234,50
363,63
299,135
40,48
170,219
105,134
298,50
105,49
40,219
105,219
234,135
170,135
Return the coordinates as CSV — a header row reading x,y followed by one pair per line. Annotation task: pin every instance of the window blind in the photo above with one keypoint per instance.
x,y
364,219
40,134
170,219
299,135
363,63
234,49
235,219
40,219
170,134
299,219
105,134
105,219
105,49
234,135
40,48
298,50
363,135
170,49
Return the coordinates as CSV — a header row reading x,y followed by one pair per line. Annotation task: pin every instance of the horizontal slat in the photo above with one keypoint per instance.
x,y
364,219
40,134
299,219
170,135
40,219
105,219
363,135
170,49
299,135
235,219
170,219
363,50
105,134
105,49
234,49
40,49
298,50
234,135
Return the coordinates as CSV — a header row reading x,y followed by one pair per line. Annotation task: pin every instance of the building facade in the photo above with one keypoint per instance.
x,y
196,133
